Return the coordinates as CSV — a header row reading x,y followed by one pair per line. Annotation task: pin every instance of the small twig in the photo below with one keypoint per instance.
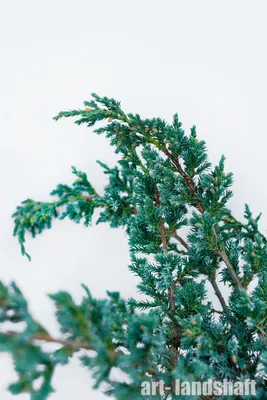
x,y
180,240
218,293
92,197
217,311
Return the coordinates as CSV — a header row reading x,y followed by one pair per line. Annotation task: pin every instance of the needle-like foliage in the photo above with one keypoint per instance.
x,y
183,239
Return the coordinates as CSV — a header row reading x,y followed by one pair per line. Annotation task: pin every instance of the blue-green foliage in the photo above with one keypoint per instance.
x,y
173,205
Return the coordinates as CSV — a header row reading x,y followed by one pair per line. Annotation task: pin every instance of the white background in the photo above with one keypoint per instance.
x,y
205,59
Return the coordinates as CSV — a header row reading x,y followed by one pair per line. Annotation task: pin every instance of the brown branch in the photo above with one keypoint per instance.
x,y
180,240
174,334
190,184
189,181
91,197
218,293
217,311
72,344
163,235
231,269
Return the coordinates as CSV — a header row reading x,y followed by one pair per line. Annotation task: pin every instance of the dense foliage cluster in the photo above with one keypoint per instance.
x,y
182,237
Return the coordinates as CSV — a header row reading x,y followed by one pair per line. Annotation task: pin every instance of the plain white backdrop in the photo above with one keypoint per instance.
x,y
204,59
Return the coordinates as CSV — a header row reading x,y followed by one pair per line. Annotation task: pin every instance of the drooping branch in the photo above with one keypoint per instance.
x,y
45,337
